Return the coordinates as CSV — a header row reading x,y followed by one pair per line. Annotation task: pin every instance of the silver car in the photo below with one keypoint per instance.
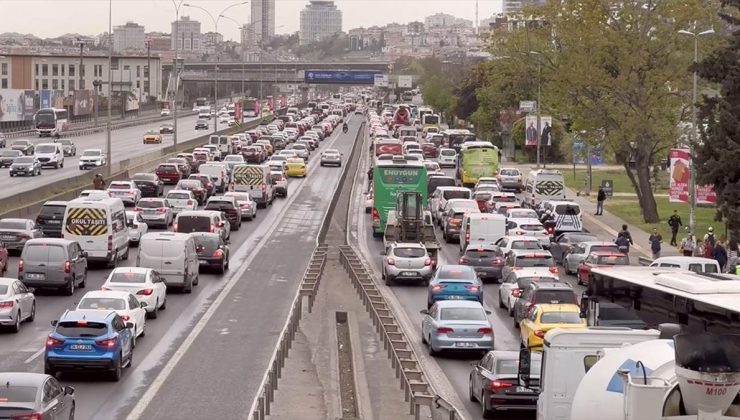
x,y
457,325
17,303
155,211
331,157
510,179
14,233
407,261
247,205
573,259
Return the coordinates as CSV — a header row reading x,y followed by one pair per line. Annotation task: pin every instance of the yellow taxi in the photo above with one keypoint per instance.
x,y
267,145
296,167
545,317
152,136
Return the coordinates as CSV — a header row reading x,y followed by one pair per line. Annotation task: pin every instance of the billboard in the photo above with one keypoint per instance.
x,y
679,180
340,77
581,149
46,98
531,135
12,103
29,104
83,102
132,100
405,81
380,80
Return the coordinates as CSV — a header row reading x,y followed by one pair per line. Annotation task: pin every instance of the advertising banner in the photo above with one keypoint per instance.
x,y
271,103
342,77
530,132
544,135
83,102
405,81
238,115
46,98
679,180
12,104
29,104
132,100
283,101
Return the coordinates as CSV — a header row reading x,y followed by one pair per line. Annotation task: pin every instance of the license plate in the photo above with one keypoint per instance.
x,y
35,276
455,297
523,389
7,237
80,347
54,222
408,273
203,262
463,344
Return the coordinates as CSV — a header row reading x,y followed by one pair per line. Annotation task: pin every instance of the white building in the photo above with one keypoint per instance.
x,y
320,19
439,19
514,7
128,37
262,19
189,37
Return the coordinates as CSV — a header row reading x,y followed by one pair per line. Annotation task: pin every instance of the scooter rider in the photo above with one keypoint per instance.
x,y
345,127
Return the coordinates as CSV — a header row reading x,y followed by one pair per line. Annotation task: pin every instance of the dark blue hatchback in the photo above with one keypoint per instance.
x,y
455,282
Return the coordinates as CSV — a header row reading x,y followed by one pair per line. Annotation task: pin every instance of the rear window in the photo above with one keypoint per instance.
x,y
10,393
534,261
524,282
531,228
509,172
100,303
455,273
178,196
3,289
189,224
219,205
556,296
207,244
483,196
45,253
81,329
447,153
52,210
525,245
506,199
119,186
522,214
614,260
409,252
166,168
480,254
462,314
150,204
10,224
560,318
128,277
567,209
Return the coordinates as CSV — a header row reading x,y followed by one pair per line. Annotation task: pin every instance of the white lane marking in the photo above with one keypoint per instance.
x,y
34,356
167,370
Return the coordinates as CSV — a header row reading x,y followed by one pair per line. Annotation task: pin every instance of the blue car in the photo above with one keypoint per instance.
x,y
89,340
455,282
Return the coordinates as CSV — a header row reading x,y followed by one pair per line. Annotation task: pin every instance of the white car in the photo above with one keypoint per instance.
x,y
181,200
509,285
144,283
369,201
127,191
17,303
137,227
528,227
92,158
165,112
223,119
507,243
124,303
246,204
447,158
288,153
520,213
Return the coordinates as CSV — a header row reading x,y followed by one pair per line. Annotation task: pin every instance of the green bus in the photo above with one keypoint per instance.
x,y
390,177
476,159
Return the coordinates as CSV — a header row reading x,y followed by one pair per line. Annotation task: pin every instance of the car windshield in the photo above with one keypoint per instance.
x,y
13,224
462,314
511,366
409,252
81,329
65,142
127,277
525,245
100,303
46,148
534,261
90,153
24,160
560,318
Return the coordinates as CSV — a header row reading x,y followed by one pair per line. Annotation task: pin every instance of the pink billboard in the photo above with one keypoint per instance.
x,y
679,180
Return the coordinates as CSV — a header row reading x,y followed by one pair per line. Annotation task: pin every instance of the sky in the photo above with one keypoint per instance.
x,y
51,18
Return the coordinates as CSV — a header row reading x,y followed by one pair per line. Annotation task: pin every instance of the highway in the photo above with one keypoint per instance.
x,y
126,143
213,374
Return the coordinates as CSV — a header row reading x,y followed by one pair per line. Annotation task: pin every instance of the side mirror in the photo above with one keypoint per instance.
x,y
54,323
130,325
68,390
31,289
142,305
84,254
488,312
424,312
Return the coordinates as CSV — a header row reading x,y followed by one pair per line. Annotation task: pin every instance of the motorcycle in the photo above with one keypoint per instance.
x,y
345,128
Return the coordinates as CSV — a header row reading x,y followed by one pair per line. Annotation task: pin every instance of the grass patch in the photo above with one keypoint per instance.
x,y
629,210
622,183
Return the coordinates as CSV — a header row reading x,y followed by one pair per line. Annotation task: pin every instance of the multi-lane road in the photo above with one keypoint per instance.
x,y
205,355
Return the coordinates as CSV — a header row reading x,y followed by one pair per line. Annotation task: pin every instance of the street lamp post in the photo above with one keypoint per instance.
x,y
692,137
108,142
539,106
175,69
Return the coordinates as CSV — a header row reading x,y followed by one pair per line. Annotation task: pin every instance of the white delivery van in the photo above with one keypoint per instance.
x,y
481,229
223,143
218,173
99,226
255,180
695,264
204,113
543,184
173,256
50,154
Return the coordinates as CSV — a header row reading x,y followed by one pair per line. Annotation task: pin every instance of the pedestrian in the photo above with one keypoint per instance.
x,y
709,242
720,255
687,245
370,173
626,234
655,241
674,222
600,198
699,249
98,182
732,256
623,243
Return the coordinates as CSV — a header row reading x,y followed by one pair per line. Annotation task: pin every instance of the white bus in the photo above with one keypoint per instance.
x,y
51,121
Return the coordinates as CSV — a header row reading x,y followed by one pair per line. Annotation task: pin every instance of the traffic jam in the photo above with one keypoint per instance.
x,y
150,236
492,263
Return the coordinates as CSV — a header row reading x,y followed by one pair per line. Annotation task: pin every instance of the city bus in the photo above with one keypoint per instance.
x,y
51,121
422,111
201,102
250,107
456,137
430,120
476,159
390,177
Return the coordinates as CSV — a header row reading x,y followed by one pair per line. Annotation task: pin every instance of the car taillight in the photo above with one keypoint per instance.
x,y
467,236
110,243
137,208
218,254
553,269
519,232
463,260
213,228
539,333
125,317
428,262
376,215
162,210
455,221
485,331
145,292
27,416
473,287
21,265
516,292
438,287
52,342
174,227
67,267
497,386
190,202
109,343
390,261
497,261
24,236
264,188
444,330
6,305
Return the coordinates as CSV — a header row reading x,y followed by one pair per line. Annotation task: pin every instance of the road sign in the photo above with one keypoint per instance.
x,y
608,186
527,106
340,77
405,81
380,80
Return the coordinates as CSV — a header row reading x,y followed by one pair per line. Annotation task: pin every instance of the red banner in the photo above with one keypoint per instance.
x,y
679,180
271,103
238,112
257,107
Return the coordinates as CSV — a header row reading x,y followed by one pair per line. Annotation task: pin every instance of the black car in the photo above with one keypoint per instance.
x,y
169,128
26,165
8,157
487,260
213,253
207,183
196,187
149,184
494,383
50,217
26,395
201,125
229,207
24,146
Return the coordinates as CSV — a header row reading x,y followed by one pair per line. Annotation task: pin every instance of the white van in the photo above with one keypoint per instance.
x,y
543,184
218,173
204,113
99,226
50,154
695,264
173,256
481,229
256,180
223,143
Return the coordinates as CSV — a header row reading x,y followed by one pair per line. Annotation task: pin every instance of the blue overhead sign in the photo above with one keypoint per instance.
x,y
342,77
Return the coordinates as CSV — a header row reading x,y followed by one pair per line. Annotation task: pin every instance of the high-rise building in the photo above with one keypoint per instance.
x,y
189,37
263,19
513,7
319,19
128,37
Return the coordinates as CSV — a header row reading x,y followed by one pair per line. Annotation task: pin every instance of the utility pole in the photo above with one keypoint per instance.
x,y
176,68
539,115
108,143
148,71
82,50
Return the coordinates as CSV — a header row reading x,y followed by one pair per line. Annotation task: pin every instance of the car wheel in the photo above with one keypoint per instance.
x,y
117,371
430,348
516,322
70,289
114,261
17,325
32,317
83,283
164,304
197,280
485,412
221,269
125,256
155,312
189,287
423,339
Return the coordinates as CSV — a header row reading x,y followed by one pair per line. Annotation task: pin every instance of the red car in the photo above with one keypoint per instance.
x,y
429,150
168,173
484,200
599,259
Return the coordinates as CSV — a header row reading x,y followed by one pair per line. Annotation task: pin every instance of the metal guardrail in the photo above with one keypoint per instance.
x,y
644,261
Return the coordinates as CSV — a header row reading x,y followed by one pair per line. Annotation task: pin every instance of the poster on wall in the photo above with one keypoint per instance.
x,y
29,104
83,102
680,160
12,105
530,132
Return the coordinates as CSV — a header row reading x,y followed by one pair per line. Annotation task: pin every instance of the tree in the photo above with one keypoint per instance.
x,y
718,154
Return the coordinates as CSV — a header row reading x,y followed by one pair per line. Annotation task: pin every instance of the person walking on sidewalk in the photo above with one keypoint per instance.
x,y
675,223
720,255
600,198
709,242
688,244
655,241
624,239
